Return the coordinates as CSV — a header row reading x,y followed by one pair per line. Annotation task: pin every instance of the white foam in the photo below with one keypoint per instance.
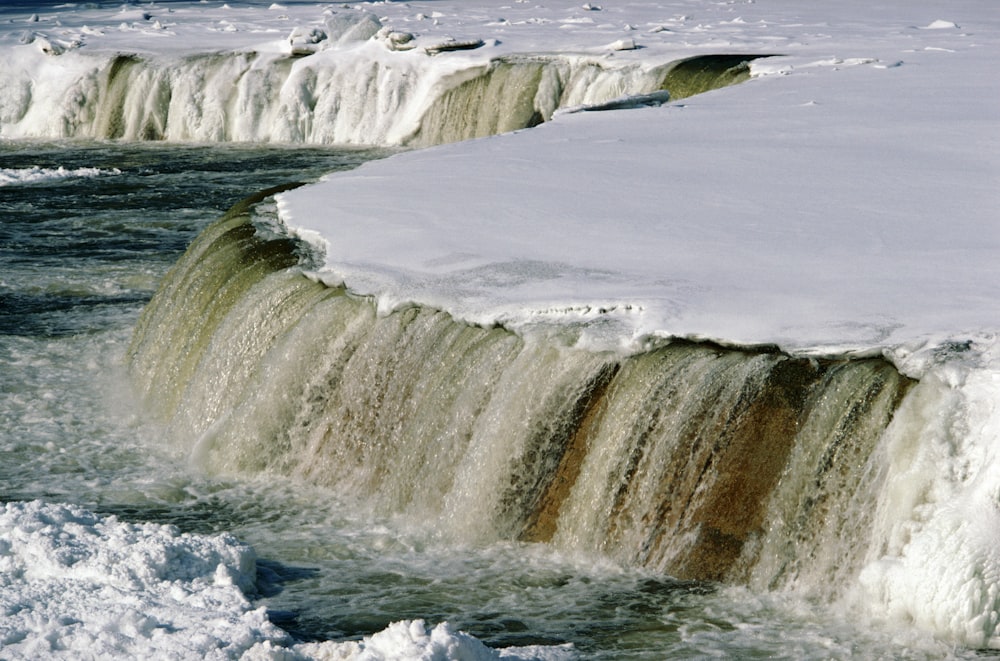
x,y
35,174
414,639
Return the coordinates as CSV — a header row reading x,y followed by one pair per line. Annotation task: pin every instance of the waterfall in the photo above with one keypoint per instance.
x,y
740,465
364,96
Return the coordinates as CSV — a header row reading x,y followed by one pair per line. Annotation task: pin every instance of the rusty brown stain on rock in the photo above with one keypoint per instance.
x,y
542,522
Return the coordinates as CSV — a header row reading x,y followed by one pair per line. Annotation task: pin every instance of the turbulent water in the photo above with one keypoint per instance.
x,y
525,492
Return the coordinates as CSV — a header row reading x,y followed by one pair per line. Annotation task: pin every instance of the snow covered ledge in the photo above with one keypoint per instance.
x,y
827,210
371,74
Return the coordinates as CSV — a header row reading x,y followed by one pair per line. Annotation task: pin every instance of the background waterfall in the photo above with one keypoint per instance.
x,y
699,461
368,98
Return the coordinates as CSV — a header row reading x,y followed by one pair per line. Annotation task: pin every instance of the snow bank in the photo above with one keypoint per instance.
x,y
74,584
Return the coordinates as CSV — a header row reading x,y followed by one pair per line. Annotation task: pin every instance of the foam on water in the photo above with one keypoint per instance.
x,y
35,174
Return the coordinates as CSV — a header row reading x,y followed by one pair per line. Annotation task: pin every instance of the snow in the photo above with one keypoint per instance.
x,y
74,583
844,200
413,639
822,206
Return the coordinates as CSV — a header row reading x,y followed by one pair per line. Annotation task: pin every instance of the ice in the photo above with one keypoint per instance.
x,y
347,27
413,639
940,25
304,41
838,201
938,563
622,44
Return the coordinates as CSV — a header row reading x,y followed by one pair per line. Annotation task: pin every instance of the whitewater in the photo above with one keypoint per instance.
x,y
615,257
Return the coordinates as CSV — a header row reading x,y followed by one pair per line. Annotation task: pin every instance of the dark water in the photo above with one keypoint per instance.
x,y
76,250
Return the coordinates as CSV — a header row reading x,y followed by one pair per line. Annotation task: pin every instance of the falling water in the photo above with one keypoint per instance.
x,y
698,461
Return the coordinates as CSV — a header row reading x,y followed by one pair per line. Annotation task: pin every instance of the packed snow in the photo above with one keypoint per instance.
x,y
844,200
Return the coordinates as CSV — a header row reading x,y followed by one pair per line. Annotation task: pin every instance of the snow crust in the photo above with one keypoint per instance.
x,y
842,200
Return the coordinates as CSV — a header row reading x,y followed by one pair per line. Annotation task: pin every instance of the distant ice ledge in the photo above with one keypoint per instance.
x,y
351,81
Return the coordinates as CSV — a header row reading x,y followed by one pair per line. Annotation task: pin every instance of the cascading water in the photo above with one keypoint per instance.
x,y
703,462
370,96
